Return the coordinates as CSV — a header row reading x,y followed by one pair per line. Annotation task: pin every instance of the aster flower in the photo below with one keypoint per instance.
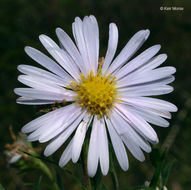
x,y
106,96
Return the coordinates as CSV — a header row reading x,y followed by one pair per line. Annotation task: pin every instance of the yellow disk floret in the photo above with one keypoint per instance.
x,y
95,93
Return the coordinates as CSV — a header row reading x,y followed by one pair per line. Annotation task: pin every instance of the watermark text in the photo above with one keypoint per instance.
x,y
172,8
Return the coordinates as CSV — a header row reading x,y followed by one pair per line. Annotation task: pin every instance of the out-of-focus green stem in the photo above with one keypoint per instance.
x,y
114,175
43,167
84,166
55,186
39,164
47,171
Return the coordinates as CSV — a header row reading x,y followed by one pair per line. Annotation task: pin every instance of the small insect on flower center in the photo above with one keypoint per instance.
x,y
95,93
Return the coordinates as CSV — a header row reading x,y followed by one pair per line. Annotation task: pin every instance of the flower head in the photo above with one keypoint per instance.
x,y
95,93
107,94
15,151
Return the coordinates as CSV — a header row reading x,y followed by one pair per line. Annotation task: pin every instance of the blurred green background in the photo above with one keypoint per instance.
x,y
22,21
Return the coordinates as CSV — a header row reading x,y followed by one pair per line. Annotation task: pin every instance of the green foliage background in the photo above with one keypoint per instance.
x,y
22,21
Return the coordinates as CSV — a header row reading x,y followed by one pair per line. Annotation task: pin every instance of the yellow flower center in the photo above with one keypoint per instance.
x,y
95,93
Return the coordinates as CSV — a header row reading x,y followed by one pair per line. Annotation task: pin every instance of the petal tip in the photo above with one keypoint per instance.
x,y
15,90
19,67
156,140
74,159
142,159
91,174
27,49
42,37
58,30
158,46
23,130
47,152
60,164
147,33
175,108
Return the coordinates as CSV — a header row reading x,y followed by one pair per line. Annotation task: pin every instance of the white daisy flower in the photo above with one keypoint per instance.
x,y
106,95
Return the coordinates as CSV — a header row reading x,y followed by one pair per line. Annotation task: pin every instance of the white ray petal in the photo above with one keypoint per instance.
x,y
31,101
45,127
70,47
66,123
43,95
153,103
120,121
93,150
163,81
112,46
150,117
139,124
66,155
129,50
52,127
153,63
60,56
160,113
79,137
35,71
48,63
77,28
133,148
115,120
57,142
36,123
118,146
103,148
138,61
96,36
43,84
15,158
91,37
145,77
145,90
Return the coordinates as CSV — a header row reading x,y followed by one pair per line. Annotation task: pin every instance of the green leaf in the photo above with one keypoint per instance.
x,y
34,163
157,159
166,172
1,187
59,177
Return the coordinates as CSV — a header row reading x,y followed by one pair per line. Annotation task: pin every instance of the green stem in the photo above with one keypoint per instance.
x,y
44,168
55,185
114,175
84,167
